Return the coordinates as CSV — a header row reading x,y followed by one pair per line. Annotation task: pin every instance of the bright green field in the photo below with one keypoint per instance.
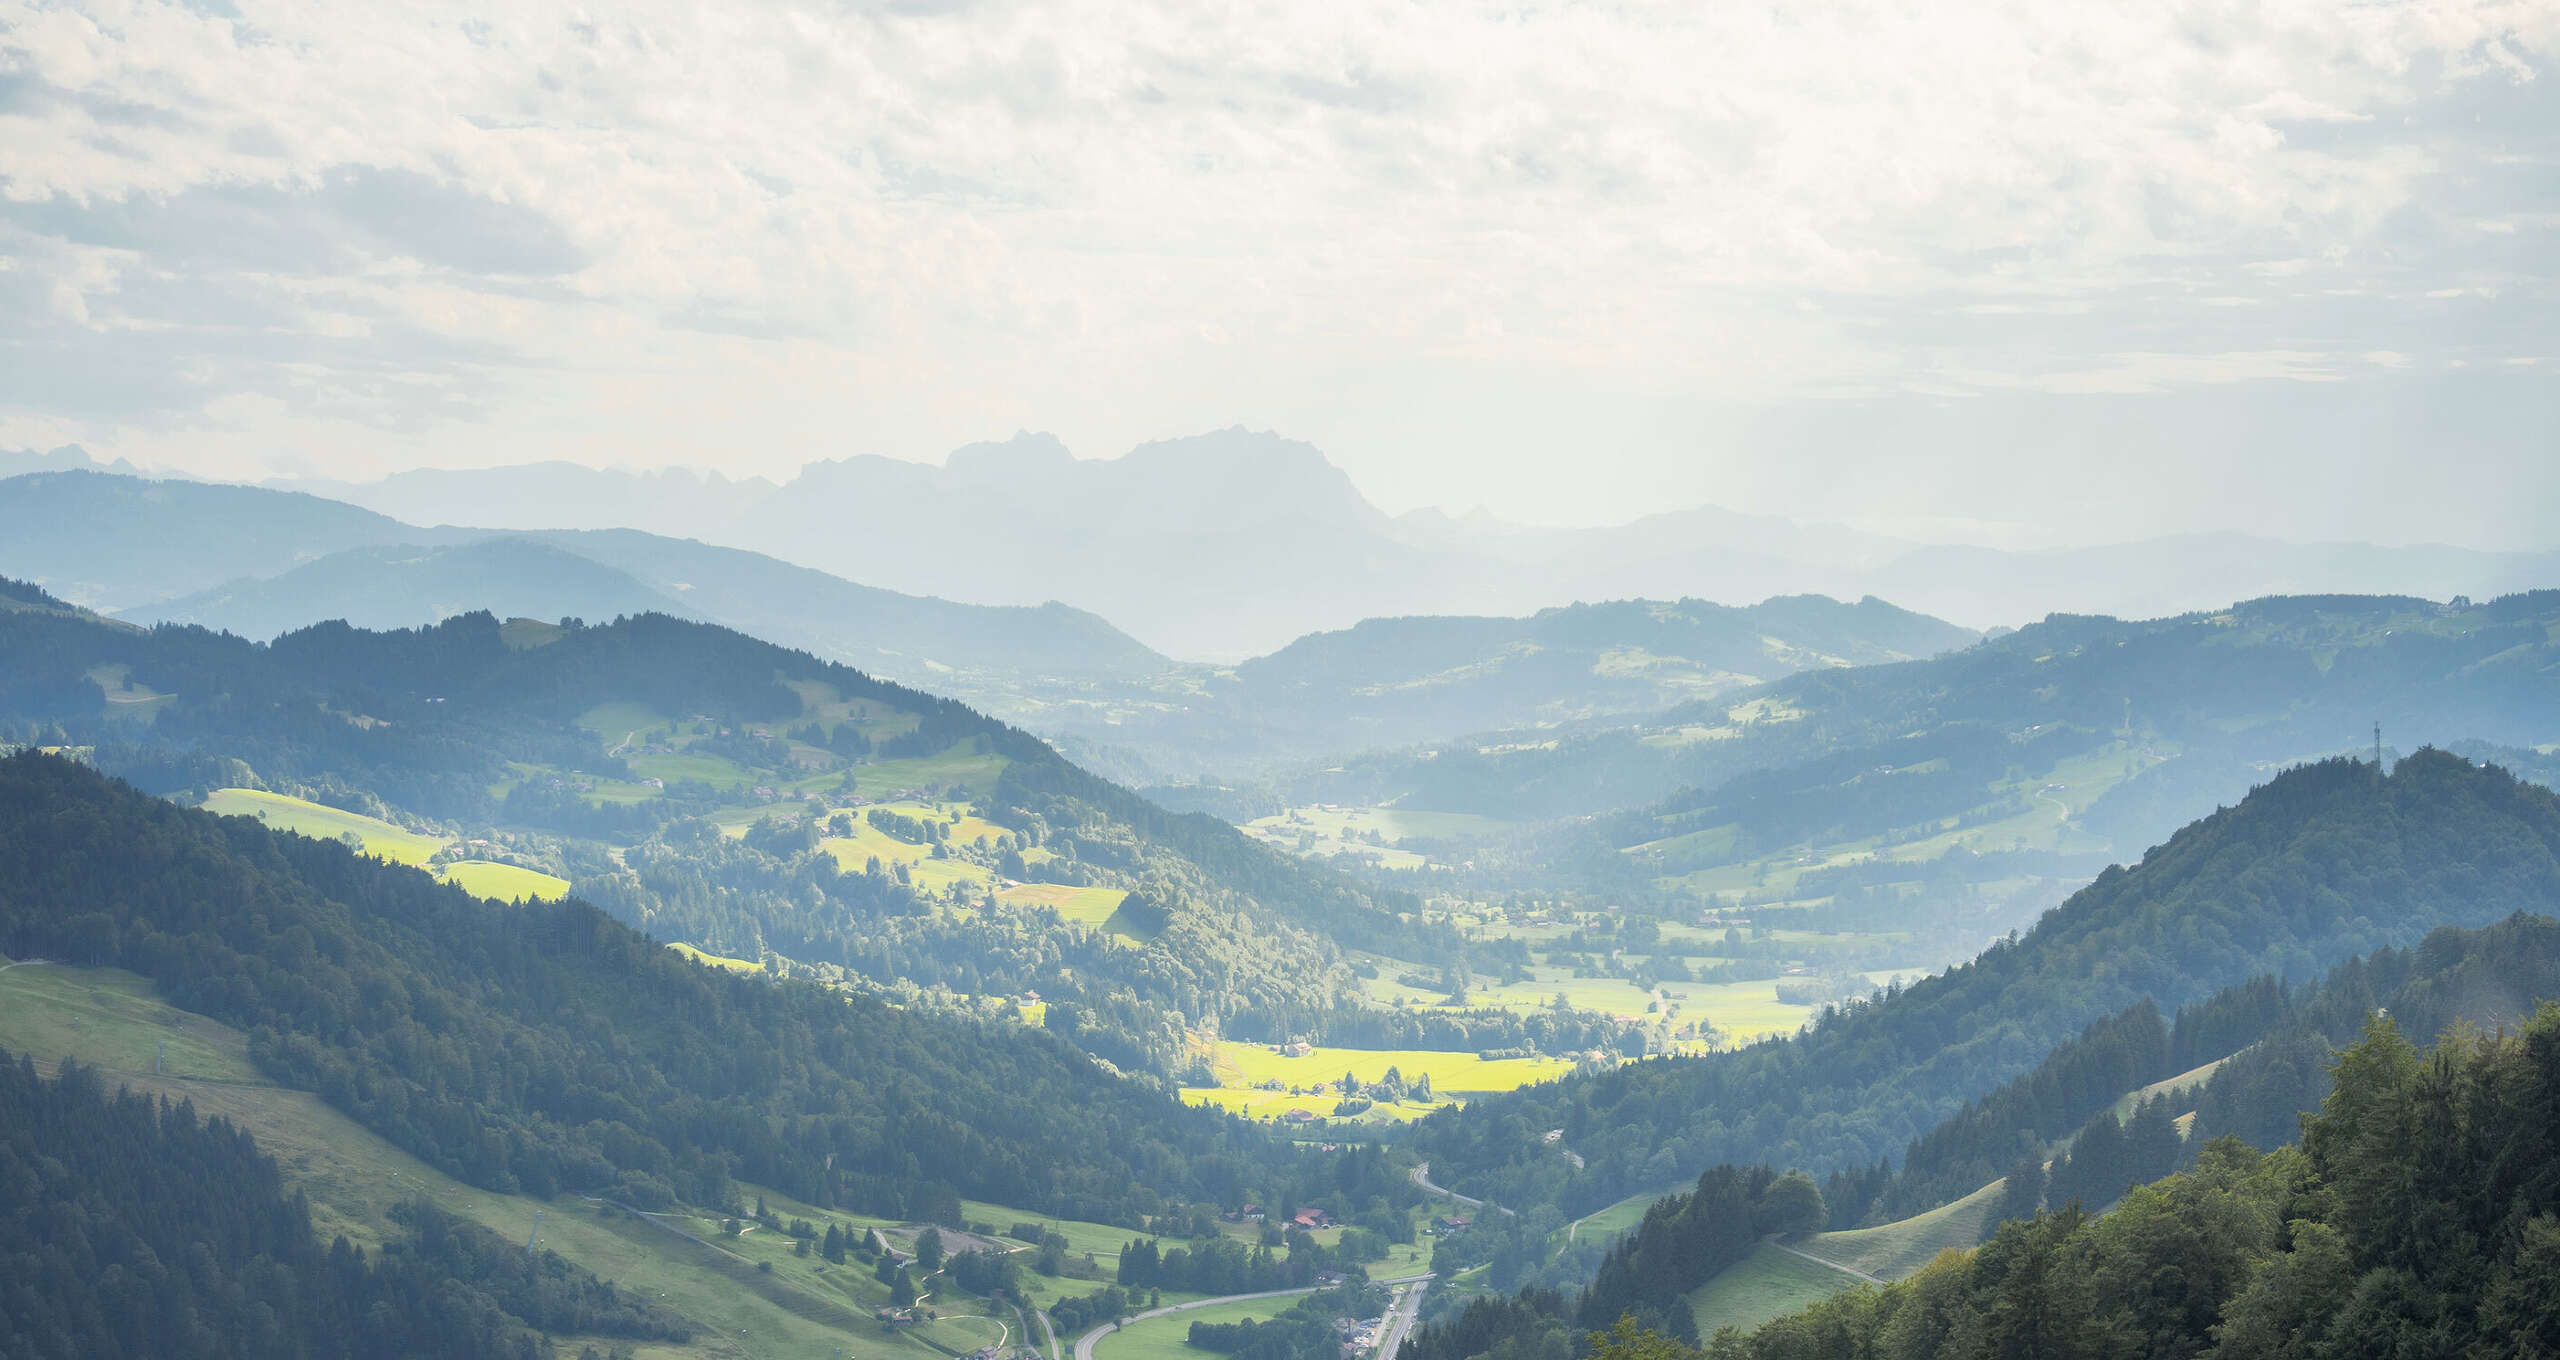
x,y
1767,1283
1242,1066
504,882
1163,1338
717,960
381,838
1617,1218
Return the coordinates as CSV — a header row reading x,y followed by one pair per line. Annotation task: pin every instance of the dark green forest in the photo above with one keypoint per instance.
x,y
128,1227
2280,1043
548,1048
2419,1216
430,720
2321,864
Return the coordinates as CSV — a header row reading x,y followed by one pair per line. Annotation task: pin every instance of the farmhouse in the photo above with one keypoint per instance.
x,y
1312,1219
1300,1115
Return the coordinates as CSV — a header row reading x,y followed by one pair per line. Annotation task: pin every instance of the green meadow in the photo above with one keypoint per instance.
x,y
320,822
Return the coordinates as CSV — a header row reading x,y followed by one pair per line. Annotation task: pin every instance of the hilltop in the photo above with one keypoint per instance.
x,y
734,794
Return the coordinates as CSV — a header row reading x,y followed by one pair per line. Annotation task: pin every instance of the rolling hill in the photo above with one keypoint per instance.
x,y
740,796
2320,864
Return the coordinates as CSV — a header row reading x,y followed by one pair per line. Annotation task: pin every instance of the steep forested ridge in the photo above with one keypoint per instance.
x,y
2272,1045
2419,1217
2320,864
129,1228
548,1048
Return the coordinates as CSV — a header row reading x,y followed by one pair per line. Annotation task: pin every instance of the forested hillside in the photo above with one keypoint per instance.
x,y
130,1228
720,790
547,1048
1392,682
2322,863
2268,1047
2214,692
2121,1105
2419,1216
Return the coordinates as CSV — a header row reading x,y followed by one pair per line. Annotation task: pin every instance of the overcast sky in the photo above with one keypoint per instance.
x,y
2018,273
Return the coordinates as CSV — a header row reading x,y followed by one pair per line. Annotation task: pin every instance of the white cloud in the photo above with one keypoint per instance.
x,y
681,232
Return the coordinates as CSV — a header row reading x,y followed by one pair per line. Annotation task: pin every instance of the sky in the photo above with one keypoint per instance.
x,y
2017,273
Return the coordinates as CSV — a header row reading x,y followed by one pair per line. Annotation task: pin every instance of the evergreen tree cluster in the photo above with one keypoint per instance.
x,y
2322,863
2420,1216
128,1227
547,1048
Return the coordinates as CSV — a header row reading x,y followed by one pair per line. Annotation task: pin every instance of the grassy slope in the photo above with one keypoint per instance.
x,y
1765,1284
1163,1338
381,839
1893,1250
115,1021
504,882
1770,1282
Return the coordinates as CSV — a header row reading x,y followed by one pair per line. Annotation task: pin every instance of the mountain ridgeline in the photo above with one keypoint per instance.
x,y
743,844
2321,864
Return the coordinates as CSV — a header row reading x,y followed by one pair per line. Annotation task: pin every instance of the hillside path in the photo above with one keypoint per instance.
x,y
1422,1178
1827,1265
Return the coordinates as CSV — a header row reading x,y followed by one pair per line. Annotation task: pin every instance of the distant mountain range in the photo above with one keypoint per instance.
x,y
1231,544
1398,682
262,562
259,563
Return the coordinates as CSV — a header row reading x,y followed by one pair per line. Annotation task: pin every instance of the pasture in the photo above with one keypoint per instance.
x,y
381,839
1893,1250
717,960
1765,1284
1165,1338
1094,908
504,882
1243,1067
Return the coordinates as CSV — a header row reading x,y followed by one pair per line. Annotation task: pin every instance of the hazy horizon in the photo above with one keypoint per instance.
x,y
2024,276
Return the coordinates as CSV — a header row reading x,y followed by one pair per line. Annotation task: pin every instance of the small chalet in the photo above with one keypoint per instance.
x,y
1312,1219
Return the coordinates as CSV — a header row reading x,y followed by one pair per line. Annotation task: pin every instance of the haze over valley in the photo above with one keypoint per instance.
x,y
1642,683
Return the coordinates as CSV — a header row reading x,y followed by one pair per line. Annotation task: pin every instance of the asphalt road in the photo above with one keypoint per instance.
x,y
1400,1319
1084,1343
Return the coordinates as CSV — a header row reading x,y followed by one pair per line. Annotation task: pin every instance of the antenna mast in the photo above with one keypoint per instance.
x,y
2377,747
